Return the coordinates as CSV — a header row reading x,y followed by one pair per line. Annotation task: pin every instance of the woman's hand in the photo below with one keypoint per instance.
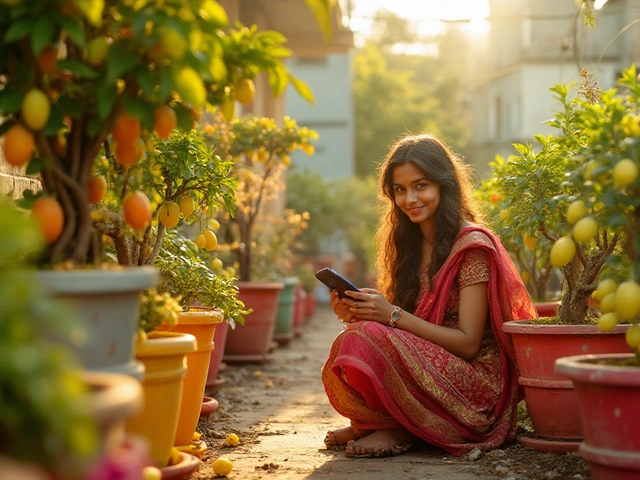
x,y
369,304
341,307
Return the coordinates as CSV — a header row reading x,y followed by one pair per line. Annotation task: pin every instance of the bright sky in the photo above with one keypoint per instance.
x,y
429,15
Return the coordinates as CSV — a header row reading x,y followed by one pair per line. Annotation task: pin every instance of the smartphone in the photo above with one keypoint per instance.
x,y
334,280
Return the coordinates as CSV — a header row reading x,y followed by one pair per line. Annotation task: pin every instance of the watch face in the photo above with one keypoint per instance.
x,y
395,315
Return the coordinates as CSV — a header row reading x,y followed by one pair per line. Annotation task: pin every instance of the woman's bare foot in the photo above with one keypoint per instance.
x,y
337,439
381,443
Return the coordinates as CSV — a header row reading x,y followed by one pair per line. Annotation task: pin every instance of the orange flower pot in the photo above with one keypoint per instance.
x,y
201,323
164,357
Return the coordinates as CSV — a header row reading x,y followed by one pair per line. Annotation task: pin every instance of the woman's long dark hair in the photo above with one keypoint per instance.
x,y
399,240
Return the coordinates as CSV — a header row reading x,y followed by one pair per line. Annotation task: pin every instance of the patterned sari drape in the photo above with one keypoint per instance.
x,y
381,377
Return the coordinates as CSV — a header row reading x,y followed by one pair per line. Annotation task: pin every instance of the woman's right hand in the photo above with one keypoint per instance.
x,y
341,308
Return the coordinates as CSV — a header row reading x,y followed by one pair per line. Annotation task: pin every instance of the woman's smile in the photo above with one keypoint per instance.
x,y
414,194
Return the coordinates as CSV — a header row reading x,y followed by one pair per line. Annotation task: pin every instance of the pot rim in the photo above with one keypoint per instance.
x,y
584,369
161,343
525,327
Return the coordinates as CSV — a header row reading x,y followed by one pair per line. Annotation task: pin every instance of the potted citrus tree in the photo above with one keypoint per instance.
x,y
544,205
100,77
260,150
608,385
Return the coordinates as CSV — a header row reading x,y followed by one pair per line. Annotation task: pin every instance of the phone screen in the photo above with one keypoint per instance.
x,y
335,281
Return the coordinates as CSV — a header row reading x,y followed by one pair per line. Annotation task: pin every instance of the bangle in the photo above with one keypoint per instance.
x,y
396,315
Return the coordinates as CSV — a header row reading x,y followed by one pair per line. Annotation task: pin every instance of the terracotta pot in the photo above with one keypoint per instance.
x,y
283,328
164,357
252,341
182,470
200,322
310,306
219,341
551,402
547,309
108,304
299,310
609,401
209,405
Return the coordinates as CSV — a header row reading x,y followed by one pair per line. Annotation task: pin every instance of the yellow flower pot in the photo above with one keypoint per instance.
x,y
201,323
164,357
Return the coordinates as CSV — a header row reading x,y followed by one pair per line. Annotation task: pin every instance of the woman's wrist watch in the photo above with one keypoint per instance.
x,y
396,315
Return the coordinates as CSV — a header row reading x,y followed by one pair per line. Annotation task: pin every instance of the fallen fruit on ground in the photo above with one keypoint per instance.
x,y
50,217
35,109
232,440
562,252
137,210
151,473
96,189
19,145
222,467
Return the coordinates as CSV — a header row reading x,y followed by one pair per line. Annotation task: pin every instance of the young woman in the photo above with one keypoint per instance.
x,y
424,357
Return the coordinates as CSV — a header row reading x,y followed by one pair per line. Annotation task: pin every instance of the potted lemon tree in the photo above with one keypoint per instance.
x,y
545,206
608,385
101,77
260,151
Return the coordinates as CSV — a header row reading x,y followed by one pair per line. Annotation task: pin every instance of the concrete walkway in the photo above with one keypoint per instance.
x,y
281,414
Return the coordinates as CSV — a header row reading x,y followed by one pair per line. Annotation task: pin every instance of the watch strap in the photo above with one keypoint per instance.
x,y
396,315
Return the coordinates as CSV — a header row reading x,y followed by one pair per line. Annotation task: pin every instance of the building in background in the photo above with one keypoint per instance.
x,y
533,45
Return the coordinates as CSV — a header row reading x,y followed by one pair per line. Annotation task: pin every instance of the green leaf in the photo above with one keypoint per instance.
x,y
141,110
74,29
302,88
35,165
278,78
5,126
120,61
42,34
94,125
146,81
107,94
70,106
18,30
184,118
10,101
55,122
77,68
165,82
321,10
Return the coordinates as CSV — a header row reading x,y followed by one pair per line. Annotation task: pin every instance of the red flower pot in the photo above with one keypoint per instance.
x,y
219,342
547,309
550,399
608,398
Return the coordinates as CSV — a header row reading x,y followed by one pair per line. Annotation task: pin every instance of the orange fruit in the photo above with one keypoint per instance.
x,y
245,91
47,60
50,217
137,210
97,187
19,145
126,129
169,214
164,121
128,154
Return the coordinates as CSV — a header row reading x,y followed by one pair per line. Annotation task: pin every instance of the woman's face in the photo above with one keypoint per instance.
x,y
416,196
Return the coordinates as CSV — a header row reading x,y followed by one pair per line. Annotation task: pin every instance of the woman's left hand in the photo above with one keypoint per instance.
x,y
369,304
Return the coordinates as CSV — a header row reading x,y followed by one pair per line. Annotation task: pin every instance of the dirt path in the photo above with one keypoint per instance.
x,y
281,414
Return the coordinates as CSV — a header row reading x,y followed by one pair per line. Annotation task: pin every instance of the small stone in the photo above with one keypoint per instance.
x,y
501,469
474,454
497,453
551,474
577,476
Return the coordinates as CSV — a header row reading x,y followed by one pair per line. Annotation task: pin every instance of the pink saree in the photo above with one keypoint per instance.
x,y
381,377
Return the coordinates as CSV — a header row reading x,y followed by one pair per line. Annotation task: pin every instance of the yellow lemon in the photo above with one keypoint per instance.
x,y
187,205
222,467
232,440
201,240
628,301
530,241
228,108
607,322
608,303
576,211
211,240
562,252
216,264
213,224
175,457
632,336
524,275
151,473
35,109
245,90
585,229
605,287
625,172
